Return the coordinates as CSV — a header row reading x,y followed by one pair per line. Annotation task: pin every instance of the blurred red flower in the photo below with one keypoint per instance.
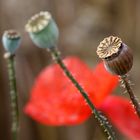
x,y
122,115
55,100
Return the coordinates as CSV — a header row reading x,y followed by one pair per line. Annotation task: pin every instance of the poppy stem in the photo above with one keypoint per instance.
x,y
126,84
13,95
100,117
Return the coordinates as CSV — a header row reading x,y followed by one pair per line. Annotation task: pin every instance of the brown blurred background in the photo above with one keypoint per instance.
x,y
83,24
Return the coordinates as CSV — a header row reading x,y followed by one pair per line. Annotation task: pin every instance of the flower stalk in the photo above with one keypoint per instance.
x,y
126,84
13,95
11,41
100,117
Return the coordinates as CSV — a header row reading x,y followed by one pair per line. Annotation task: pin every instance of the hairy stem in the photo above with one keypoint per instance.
x,y
133,98
13,96
101,118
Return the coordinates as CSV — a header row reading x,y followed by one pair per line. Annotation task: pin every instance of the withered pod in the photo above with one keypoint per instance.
x,y
117,56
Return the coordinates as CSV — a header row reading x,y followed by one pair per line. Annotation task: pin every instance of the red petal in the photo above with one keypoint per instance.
x,y
122,114
54,99
106,82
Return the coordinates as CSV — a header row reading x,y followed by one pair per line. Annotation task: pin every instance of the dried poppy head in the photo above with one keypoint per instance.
x,y
43,30
117,56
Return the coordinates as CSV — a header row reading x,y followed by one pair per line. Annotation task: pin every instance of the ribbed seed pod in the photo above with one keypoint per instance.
x,y
117,56
118,59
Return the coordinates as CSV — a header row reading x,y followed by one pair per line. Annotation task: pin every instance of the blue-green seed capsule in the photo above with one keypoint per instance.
x,y
11,40
43,30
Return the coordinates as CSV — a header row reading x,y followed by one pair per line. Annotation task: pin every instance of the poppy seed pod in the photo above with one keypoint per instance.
x,y
11,40
117,56
43,30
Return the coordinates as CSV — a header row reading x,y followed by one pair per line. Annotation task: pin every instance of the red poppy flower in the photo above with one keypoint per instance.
x,y
122,115
54,99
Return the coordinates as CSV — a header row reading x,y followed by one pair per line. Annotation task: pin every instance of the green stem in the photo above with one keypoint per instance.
x,y
101,118
13,95
133,98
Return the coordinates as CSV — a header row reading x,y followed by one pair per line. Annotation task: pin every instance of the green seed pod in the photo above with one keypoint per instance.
x,y
11,40
117,56
43,30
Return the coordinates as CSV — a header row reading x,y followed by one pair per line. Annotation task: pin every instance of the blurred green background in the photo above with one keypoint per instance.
x,y
83,24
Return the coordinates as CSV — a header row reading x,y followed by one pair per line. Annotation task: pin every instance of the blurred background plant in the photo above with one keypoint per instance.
x,y
82,24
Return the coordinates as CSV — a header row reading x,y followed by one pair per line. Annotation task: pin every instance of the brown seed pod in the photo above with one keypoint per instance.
x,y
117,56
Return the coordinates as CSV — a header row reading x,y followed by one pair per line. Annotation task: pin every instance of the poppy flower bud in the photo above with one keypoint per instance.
x,y
43,30
117,56
11,40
